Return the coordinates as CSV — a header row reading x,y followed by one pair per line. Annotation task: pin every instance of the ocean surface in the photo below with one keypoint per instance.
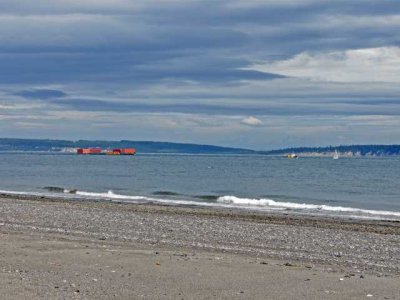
x,y
356,187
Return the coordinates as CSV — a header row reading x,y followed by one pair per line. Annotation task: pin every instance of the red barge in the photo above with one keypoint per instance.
x,y
99,151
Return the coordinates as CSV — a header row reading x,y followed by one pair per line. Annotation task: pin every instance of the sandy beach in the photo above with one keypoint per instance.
x,y
62,249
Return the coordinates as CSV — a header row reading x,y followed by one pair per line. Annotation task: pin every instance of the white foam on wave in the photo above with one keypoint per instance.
x,y
110,195
266,203
127,198
16,193
73,193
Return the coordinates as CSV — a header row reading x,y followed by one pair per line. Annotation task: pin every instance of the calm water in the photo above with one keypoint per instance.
x,y
313,185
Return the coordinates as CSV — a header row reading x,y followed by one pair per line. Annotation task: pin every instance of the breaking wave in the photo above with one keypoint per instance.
x,y
262,204
265,203
109,195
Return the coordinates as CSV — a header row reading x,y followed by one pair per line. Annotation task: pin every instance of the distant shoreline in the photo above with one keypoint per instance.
x,y
11,144
300,155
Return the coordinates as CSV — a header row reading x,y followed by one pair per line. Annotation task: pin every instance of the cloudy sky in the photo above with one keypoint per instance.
x,y
260,74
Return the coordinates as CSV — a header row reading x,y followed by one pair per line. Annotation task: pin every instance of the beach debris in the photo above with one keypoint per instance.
x,y
362,276
94,279
288,264
263,263
370,295
158,264
180,254
341,279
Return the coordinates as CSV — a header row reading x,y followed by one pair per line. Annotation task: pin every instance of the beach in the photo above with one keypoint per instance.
x,y
87,249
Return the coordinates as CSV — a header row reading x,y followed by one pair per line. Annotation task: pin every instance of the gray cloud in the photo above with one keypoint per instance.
x,y
41,94
251,121
175,57
59,100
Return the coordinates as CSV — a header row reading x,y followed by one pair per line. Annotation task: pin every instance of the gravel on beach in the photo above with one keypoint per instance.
x,y
78,249
358,246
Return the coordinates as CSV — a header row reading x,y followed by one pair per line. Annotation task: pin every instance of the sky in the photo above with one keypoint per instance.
x,y
259,74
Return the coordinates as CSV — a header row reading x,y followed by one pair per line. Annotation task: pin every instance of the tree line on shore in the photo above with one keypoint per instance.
x,y
49,145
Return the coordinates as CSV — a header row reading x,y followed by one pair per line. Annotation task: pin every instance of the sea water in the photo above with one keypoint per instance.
x,y
355,187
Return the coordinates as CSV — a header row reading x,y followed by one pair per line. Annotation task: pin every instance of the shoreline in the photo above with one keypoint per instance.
x,y
256,206
50,248
272,217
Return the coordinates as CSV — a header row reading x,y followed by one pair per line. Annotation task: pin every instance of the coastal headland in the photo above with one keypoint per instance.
x,y
86,249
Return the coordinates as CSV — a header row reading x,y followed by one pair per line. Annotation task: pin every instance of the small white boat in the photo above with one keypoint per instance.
x,y
292,155
336,155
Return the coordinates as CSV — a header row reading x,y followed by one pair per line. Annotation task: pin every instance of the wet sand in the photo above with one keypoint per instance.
x,y
59,249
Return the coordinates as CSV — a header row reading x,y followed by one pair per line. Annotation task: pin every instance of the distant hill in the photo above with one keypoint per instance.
x,y
7,144
47,145
351,150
